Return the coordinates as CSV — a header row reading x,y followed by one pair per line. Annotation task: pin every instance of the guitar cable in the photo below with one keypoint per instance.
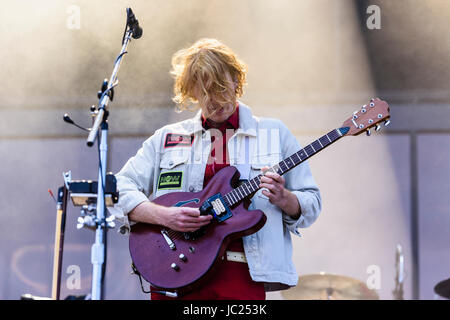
x,y
166,293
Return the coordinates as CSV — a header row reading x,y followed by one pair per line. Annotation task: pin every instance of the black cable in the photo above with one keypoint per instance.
x,y
142,285
107,92
125,31
166,293
120,55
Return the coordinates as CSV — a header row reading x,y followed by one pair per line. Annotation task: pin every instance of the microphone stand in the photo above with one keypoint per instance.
x,y
98,252
399,277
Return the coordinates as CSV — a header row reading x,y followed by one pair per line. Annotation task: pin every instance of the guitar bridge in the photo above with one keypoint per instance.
x,y
194,235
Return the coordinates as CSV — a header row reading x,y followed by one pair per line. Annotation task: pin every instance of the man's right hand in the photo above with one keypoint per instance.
x,y
184,219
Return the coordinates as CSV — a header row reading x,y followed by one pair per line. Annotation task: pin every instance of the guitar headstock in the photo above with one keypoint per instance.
x,y
369,116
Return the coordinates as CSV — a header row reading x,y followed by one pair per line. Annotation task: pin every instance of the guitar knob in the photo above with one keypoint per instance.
x,y
378,127
368,132
174,266
387,122
182,257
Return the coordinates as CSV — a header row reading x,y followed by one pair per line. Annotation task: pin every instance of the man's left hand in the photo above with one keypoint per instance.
x,y
278,194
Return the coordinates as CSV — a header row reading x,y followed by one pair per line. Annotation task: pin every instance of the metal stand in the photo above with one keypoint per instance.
x,y
100,123
399,274
98,253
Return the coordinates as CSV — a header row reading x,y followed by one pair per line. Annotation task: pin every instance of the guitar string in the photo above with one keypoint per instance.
x,y
281,167
241,193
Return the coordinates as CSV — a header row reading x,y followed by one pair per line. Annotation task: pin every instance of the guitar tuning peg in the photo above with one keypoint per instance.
x,y
387,122
378,127
368,132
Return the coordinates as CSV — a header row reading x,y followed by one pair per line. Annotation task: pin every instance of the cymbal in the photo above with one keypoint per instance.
x,y
324,286
443,288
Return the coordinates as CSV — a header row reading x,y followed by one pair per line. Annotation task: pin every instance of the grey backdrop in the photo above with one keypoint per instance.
x,y
311,64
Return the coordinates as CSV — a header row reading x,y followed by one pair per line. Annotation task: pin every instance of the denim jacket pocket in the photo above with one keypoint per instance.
x,y
259,162
172,172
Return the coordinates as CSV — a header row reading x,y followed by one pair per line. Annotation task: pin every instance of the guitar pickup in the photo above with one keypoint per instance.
x,y
217,207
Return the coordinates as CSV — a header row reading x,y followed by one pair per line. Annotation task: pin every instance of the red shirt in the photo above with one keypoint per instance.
x,y
215,164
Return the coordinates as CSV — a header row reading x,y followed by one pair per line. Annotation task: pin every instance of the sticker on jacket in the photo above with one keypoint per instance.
x,y
178,139
170,180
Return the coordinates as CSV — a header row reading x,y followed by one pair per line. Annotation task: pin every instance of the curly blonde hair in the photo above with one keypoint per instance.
x,y
210,67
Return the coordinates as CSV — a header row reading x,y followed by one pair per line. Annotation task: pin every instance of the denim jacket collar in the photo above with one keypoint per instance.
x,y
247,123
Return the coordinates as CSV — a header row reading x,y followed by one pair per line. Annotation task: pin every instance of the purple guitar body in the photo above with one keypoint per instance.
x,y
155,250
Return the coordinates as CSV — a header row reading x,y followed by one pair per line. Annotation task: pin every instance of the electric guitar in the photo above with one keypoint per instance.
x,y
177,262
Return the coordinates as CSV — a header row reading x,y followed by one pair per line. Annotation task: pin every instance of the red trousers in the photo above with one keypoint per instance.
x,y
231,281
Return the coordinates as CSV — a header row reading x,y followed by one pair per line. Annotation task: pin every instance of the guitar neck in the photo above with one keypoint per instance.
x,y
248,188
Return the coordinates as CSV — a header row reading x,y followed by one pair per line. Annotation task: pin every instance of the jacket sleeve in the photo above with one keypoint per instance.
x,y
135,182
299,181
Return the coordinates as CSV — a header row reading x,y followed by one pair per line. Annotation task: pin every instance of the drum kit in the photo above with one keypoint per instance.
x,y
325,286
442,289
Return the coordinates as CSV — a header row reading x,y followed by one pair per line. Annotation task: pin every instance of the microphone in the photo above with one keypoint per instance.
x,y
133,23
69,120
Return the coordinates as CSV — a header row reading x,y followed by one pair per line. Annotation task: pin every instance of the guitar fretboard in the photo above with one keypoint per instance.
x,y
249,187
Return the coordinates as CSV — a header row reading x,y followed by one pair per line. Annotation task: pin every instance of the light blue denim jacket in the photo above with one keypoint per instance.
x,y
257,143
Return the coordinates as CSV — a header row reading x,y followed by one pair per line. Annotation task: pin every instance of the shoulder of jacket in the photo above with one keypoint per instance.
x,y
264,122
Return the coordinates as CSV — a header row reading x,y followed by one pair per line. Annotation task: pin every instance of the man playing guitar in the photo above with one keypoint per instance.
x,y
184,156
